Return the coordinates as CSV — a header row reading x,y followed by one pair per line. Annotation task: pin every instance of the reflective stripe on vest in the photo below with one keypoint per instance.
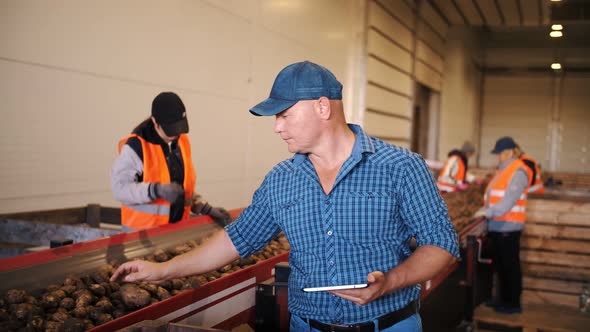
x,y
157,209
444,187
155,170
496,191
444,183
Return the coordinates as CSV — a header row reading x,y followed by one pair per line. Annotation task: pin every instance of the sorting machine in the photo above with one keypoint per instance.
x,y
223,303
230,301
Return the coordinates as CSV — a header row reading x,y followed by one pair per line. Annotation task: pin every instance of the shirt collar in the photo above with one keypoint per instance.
x,y
362,144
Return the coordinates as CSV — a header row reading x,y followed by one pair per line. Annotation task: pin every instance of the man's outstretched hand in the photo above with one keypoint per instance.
x,y
140,270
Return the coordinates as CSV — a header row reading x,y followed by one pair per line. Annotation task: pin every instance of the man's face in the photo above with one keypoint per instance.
x,y
298,126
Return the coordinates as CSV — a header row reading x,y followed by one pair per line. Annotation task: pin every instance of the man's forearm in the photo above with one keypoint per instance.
x,y
214,253
424,264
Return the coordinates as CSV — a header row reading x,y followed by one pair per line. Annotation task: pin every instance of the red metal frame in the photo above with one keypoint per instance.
x,y
43,256
440,278
260,271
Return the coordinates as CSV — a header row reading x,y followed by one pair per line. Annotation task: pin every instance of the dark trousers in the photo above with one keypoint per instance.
x,y
506,248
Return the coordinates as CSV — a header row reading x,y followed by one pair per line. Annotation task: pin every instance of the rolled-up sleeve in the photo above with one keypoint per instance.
x,y
255,227
424,211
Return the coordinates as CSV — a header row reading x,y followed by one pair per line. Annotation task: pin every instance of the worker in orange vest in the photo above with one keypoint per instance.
x,y
536,183
505,209
453,175
153,176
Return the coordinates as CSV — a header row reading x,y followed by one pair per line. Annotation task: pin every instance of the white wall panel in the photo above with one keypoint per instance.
x,y
80,75
400,9
425,53
574,152
429,37
427,76
401,144
428,14
390,26
386,126
388,51
386,101
388,77
520,107
153,43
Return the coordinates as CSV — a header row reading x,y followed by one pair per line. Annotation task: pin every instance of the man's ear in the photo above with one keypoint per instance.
x,y
155,123
324,108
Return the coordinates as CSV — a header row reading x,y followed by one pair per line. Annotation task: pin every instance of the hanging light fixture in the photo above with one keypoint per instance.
x,y
556,66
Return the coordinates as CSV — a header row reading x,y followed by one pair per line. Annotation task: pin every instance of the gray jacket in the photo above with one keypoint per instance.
x,y
518,184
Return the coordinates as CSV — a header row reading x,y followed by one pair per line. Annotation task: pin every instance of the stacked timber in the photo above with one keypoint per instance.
x,y
568,180
555,251
555,258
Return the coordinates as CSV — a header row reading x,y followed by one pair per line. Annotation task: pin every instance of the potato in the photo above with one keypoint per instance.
x,y
134,297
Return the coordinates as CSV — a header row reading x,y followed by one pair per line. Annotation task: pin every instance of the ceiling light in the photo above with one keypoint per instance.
x,y
555,0
557,27
555,34
556,66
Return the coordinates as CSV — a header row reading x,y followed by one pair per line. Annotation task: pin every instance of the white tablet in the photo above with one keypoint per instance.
x,y
329,288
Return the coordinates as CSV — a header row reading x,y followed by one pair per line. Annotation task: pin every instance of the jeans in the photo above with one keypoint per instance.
x,y
410,324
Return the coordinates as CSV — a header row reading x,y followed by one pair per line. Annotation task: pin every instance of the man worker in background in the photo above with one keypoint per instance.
x,y
453,175
153,176
348,204
505,209
536,183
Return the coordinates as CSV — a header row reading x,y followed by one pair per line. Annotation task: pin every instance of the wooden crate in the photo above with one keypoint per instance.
x,y
534,317
569,180
555,252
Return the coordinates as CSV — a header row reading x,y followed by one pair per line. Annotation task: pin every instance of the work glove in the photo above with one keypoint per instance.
x,y
220,216
480,213
169,191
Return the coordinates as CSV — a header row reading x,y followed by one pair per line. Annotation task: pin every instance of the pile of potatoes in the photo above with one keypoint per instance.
x,y
82,302
463,204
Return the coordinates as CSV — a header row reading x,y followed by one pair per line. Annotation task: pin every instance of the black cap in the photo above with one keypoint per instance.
x,y
504,143
169,112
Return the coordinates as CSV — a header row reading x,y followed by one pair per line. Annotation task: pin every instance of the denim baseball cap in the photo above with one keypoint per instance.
x,y
299,81
504,143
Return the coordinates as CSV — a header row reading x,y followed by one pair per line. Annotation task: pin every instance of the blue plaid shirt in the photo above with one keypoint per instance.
x,y
382,197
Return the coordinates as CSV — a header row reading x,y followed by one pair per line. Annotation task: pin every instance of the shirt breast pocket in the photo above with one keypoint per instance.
x,y
296,216
367,216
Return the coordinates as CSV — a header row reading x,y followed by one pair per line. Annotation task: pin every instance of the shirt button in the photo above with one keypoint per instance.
x,y
327,202
329,232
331,262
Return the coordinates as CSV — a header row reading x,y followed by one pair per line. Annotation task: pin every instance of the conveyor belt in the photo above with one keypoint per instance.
x,y
41,270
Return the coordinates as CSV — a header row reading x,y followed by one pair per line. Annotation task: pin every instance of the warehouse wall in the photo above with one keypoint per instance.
x,y
405,45
461,98
545,111
76,76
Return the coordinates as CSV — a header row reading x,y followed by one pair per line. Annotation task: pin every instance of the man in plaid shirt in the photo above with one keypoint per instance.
x,y
348,203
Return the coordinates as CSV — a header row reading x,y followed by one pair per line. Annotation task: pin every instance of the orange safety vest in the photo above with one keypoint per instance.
x,y
497,188
155,169
537,186
447,186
